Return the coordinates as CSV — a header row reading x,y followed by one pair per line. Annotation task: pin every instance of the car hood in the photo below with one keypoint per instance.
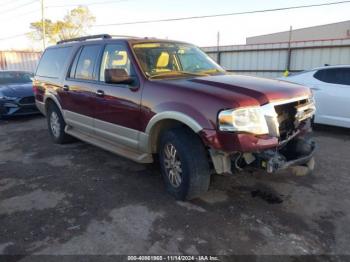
x,y
244,90
17,90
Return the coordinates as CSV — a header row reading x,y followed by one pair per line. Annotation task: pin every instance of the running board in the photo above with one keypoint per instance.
x,y
111,147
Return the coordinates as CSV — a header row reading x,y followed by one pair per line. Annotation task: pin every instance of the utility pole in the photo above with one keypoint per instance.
x,y
289,56
43,23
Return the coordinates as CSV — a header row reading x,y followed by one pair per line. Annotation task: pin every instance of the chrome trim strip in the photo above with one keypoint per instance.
x,y
287,101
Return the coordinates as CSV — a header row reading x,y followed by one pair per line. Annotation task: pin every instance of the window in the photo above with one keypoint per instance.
x,y
52,62
334,76
162,60
74,65
115,57
14,77
87,62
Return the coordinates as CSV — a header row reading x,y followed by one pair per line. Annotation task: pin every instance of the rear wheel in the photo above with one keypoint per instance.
x,y
56,125
184,164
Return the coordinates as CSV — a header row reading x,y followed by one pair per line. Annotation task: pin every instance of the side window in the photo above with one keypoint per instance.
x,y
343,76
115,57
323,75
52,62
86,63
73,68
334,76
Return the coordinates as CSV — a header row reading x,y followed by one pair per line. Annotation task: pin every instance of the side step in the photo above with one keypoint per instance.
x,y
139,157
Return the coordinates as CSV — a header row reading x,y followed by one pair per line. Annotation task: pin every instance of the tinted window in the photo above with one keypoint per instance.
x,y
13,77
87,62
74,65
115,57
52,62
334,76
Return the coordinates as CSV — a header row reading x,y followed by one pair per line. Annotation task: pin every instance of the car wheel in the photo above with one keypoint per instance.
x,y
184,164
56,125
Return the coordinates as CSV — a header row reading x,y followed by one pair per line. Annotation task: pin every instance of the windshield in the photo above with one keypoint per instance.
x,y
165,60
15,77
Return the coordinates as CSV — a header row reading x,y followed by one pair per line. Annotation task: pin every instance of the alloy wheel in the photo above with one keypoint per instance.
x,y
55,124
172,165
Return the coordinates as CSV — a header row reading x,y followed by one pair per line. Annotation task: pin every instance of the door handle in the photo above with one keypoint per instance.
x,y
66,87
100,93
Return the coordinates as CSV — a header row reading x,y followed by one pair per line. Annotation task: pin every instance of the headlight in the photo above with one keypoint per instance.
x,y
251,120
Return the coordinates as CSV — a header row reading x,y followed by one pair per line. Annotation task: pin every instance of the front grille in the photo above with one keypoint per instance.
x,y
287,116
27,100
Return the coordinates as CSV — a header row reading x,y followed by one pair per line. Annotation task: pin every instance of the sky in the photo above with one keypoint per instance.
x,y
202,32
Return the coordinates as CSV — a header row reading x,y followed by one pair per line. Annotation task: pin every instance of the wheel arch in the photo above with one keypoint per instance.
x,y
52,99
165,121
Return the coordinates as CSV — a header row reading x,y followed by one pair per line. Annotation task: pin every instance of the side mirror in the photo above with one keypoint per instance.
x,y
117,76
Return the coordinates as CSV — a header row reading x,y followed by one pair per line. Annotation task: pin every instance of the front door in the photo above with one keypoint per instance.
x,y
117,106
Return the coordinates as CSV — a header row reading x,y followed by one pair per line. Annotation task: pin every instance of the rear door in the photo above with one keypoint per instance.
x,y
78,91
117,107
331,88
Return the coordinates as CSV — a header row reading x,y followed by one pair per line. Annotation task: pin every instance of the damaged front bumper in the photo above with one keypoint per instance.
x,y
296,152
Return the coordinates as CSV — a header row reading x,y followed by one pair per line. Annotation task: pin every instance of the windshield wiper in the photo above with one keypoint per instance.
x,y
178,72
212,71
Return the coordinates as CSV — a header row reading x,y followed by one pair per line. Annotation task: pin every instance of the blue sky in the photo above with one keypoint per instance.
x,y
233,30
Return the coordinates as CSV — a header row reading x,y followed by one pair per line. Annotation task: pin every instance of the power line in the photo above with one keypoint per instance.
x,y
13,36
21,15
10,2
221,15
88,4
19,6
207,16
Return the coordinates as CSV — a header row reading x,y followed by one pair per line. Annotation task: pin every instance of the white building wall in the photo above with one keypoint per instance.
x,y
270,60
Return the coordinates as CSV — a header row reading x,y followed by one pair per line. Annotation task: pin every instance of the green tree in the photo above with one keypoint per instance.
x,y
74,24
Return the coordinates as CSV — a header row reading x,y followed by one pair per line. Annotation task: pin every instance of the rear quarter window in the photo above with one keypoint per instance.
x,y
53,61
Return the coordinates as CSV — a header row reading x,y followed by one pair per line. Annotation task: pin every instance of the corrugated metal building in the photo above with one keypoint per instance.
x,y
271,60
19,60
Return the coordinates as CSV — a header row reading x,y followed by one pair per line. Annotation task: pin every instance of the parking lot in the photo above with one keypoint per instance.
x,y
79,199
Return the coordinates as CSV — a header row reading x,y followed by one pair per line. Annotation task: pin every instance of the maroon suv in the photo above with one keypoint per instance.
x,y
145,98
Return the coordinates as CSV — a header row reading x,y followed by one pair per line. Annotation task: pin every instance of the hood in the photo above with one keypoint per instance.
x,y
17,90
244,90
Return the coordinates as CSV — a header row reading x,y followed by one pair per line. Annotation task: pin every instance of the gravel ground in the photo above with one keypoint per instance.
x,y
79,199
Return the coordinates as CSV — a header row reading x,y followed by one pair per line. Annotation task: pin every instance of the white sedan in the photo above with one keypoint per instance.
x,y
331,88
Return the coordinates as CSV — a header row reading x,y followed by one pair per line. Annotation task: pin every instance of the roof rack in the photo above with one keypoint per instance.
x,y
78,39
129,36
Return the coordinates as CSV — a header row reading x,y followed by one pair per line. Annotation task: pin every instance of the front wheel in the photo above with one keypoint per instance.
x,y
184,164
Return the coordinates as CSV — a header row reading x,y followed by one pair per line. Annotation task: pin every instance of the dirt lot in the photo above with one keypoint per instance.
x,y
78,199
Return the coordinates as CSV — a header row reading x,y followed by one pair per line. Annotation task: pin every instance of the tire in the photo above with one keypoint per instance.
x,y
56,125
186,170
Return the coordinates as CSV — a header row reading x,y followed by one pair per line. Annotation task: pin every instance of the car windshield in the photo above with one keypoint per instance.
x,y
13,77
170,60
